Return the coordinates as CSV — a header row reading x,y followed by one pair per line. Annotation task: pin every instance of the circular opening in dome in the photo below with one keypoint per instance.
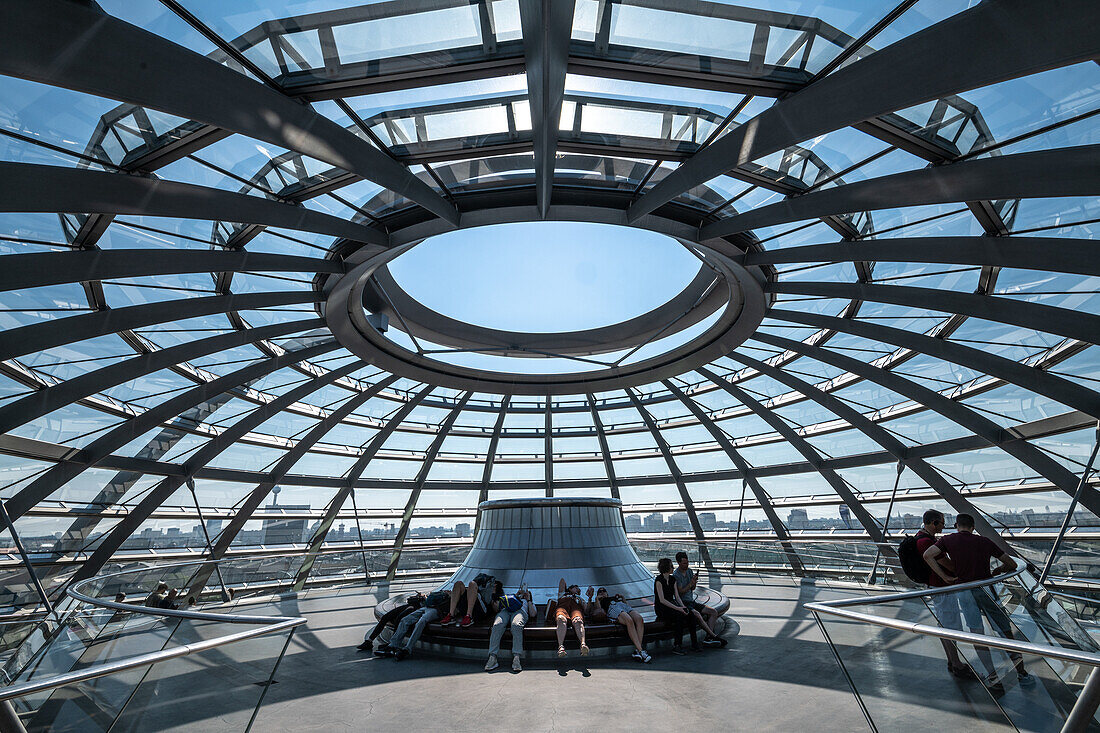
x,y
545,277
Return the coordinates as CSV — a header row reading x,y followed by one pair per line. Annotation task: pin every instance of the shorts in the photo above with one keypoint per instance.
x,y
696,606
568,609
616,608
946,608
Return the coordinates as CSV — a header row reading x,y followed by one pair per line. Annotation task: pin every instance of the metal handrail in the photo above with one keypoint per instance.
x,y
271,624
1087,702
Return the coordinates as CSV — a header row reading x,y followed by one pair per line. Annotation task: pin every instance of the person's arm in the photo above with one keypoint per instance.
x,y
930,556
679,601
1008,564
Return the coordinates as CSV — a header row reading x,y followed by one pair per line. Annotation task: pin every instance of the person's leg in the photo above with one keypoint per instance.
x,y
711,616
639,625
456,597
945,607
972,616
578,627
999,619
689,621
389,618
631,631
519,620
471,597
702,623
561,633
404,626
426,618
497,633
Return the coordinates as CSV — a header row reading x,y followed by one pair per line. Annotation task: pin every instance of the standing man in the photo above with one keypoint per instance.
x,y
686,580
515,611
970,554
945,605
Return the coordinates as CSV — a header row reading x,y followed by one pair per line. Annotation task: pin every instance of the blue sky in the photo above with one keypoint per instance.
x,y
545,276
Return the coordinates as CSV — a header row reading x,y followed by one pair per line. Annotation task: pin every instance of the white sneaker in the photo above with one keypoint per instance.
x,y
516,666
491,664
646,658
562,652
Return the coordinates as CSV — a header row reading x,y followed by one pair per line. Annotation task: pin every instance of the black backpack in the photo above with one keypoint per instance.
x,y
912,561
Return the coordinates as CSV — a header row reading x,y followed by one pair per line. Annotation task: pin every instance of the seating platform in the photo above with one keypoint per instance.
x,y
540,636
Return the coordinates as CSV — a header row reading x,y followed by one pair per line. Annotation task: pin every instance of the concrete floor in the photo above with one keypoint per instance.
x,y
777,674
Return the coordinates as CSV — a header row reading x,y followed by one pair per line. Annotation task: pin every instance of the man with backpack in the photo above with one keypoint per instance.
x,y
945,605
963,557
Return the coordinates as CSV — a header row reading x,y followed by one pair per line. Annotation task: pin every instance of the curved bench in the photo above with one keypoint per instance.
x,y
539,636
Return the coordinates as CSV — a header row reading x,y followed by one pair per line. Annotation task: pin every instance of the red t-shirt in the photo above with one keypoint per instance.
x,y
971,553
924,541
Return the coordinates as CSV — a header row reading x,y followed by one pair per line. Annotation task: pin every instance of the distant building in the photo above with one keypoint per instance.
x,y
463,529
798,519
679,522
284,531
654,522
633,522
708,521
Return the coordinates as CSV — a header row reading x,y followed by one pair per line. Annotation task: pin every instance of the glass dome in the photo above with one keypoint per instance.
x,y
888,302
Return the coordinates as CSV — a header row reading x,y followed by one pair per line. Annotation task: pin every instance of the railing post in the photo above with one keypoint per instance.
x,y
206,534
9,721
270,680
886,524
1081,716
737,537
1072,506
27,561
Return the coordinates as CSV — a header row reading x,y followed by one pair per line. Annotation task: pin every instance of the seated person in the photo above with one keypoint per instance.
x,y
686,580
618,611
413,625
569,608
478,594
390,618
514,611
669,608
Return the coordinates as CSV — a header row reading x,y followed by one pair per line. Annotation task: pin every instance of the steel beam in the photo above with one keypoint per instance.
x,y
989,43
1036,316
120,435
490,455
27,187
283,467
678,478
956,412
1050,254
1041,174
418,484
1036,380
86,384
925,471
546,25
168,486
37,337
77,46
806,449
605,452
40,269
762,498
